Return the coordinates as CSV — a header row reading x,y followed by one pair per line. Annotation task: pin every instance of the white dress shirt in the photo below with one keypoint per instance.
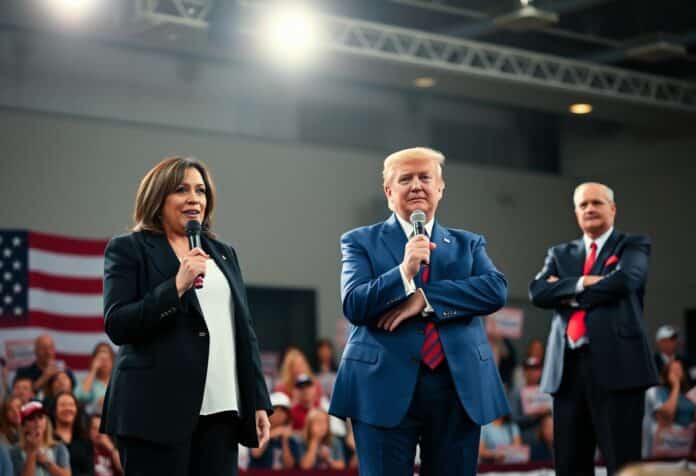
x,y
409,284
588,249
221,384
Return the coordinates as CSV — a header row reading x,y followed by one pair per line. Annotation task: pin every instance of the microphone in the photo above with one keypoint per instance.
x,y
418,222
193,231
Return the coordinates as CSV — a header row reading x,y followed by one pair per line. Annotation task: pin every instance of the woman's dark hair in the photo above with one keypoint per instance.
x,y
79,429
162,180
664,376
321,343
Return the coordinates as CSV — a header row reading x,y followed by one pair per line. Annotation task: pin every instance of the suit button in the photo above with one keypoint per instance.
x,y
202,334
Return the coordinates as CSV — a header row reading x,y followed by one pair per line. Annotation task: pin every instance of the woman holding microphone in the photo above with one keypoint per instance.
x,y
187,385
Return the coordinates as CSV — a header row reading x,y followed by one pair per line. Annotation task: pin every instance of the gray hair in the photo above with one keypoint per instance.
x,y
607,191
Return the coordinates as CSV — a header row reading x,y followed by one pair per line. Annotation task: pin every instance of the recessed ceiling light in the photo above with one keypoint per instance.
x,y
581,108
424,82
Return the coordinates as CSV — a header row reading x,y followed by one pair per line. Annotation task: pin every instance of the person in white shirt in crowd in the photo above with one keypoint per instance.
x,y
666,405
282,450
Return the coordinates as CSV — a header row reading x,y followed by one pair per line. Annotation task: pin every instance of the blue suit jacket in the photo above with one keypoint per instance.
x,y
378,371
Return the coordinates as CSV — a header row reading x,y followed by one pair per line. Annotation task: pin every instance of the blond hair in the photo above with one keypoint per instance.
x,y
287,378
414,153
162,180
48,441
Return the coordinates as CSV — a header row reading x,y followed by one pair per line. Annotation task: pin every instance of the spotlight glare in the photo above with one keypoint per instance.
x,y
424,82
580,108
69,12
291,34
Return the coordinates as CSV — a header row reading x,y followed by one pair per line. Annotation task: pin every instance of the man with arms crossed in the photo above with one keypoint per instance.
x,y
417,368
598,362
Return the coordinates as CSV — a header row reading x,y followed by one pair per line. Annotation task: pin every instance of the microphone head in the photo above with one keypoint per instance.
x,y
418,216
193,227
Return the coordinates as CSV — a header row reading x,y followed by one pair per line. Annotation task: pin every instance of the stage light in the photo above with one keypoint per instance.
x,y
70,12
291,34
424,82
580,108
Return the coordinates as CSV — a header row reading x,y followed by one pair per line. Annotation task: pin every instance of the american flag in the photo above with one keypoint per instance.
x,y
52,285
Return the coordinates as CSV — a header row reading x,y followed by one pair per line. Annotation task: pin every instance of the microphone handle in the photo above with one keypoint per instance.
x,y
195,242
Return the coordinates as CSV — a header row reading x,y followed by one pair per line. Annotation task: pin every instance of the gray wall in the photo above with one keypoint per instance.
x,y
283,206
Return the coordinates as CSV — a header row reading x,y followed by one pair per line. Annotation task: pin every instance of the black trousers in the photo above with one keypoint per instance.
x,y
586,415
211,451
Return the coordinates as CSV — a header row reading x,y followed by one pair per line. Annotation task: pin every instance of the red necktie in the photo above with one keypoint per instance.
x,y
576,325
431,352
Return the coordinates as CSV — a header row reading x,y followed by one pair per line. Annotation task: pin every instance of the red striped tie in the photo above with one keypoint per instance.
x,y
431,352
576,324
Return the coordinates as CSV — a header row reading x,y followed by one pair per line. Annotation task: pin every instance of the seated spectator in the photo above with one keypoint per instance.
x,y
23,388
528,405
91,390
504,355
4,381
10,421
542,448
68,421
666,405
497,434
535,349
45,365
326,366
282,450
38,453
295,364
318,448
350,449
107,461
6,468
667,343
58,383
306,400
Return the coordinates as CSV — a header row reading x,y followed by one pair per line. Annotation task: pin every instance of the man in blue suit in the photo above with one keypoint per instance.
x,y
417,368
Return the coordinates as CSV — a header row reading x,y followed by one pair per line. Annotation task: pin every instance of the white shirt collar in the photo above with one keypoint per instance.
x,y
408,228
599,241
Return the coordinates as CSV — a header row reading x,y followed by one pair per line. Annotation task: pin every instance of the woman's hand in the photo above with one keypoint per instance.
x,y
674,379
32,441
263,427
192,266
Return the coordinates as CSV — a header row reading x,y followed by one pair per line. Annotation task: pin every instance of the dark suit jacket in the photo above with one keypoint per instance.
x,y
620,354
156,387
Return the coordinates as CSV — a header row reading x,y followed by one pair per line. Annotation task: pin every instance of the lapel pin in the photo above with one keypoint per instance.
x,y
224,257
446,240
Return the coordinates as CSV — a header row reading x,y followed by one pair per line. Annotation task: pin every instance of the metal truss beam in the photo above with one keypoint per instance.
x,y
439,52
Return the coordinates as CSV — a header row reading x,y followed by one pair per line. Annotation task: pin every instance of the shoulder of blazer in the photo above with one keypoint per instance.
x,y
567,247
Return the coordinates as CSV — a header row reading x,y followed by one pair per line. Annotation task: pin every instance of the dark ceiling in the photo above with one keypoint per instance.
x,y
595,30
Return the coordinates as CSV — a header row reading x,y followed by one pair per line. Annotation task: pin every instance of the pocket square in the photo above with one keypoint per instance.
x,y
611,260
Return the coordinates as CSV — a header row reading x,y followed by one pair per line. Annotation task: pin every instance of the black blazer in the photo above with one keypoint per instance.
x,y
156,387
620,355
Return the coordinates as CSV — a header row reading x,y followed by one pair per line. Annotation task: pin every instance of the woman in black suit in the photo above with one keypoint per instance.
x,y
187,385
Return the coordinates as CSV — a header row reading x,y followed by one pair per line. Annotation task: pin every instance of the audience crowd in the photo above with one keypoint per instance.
x,y
49,421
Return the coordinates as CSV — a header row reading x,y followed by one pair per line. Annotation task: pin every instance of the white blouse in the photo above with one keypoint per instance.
x,y
221,384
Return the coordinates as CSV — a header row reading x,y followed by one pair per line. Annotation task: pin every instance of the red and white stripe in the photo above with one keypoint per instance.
x,y
65,296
